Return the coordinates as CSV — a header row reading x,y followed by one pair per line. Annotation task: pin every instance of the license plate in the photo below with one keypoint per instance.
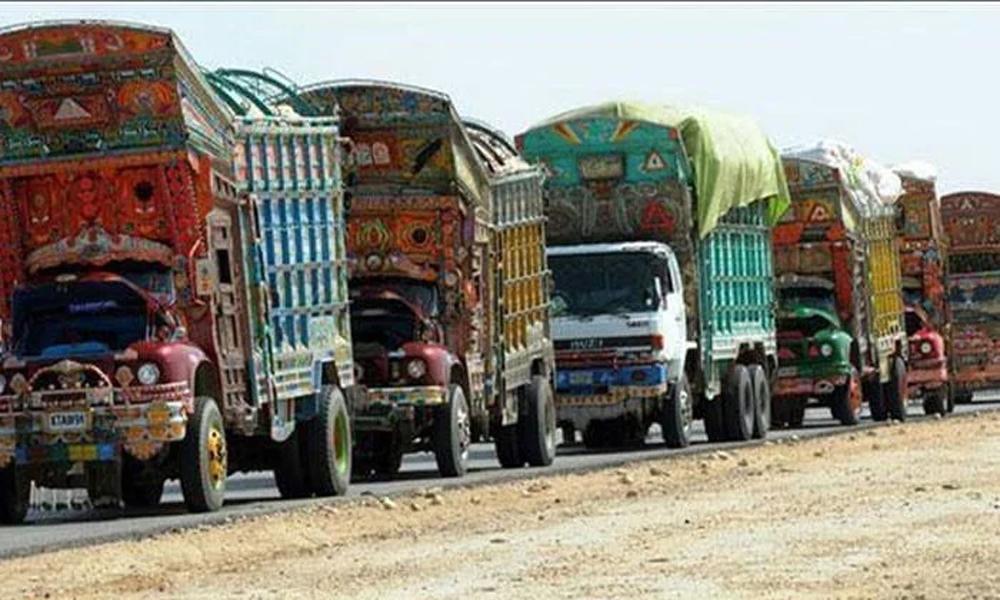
x,y
787,371
67,421
580,378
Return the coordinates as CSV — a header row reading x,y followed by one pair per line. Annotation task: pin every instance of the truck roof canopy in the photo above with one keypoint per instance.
x,y
734,163
73,88
403,135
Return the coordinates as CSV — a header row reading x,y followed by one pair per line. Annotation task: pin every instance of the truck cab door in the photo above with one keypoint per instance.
x,y
674,316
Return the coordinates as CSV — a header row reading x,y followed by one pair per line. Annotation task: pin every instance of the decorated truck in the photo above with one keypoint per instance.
x,y
659,239
841,337
973,288
922,257
144,342
448,283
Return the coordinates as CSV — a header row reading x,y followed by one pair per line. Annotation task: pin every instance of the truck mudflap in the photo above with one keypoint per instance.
x,y
380,409
66,432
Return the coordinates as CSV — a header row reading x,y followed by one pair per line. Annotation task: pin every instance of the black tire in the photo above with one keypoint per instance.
x,y
15,494
203,458
676,417
326,445
936,402
452,434
949,399
876,403
958,397
761,401
289,473
715,425
508,449
737,404
844,408
895,393
537,426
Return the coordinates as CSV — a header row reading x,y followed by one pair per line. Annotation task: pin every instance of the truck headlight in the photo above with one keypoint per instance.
x,y
826,349
926,347
416,368
148,373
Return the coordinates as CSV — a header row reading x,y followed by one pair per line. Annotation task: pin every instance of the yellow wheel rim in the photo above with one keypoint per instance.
x,y
217,460
341,442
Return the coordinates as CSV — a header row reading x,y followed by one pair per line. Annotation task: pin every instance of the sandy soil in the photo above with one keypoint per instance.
x,y
906,511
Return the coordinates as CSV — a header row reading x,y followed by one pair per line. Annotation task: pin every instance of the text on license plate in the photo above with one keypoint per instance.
x,y
580,378
787,371
67,421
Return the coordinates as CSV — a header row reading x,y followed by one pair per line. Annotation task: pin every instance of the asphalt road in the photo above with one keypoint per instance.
x,y
250,494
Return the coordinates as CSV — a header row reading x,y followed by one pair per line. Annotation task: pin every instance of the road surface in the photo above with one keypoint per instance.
x,y
252,494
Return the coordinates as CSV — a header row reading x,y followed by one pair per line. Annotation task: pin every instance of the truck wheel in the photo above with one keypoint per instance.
x,y
895,390
876,403
289,474
327,445
935,402
203,457
737,404
675,417
452,434
508,449
537,427
949,399
142,483
14,496
761,401
715,425
845,403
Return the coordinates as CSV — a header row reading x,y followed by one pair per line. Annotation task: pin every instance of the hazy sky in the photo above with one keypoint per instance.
x,y
896,81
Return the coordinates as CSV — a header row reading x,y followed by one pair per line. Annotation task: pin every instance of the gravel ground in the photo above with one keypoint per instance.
x,y
904,511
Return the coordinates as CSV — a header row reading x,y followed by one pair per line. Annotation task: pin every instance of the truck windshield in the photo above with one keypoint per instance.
x,y
615,282
818,297
93,317
422,295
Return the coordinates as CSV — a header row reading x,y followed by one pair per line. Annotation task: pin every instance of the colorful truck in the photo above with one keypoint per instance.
x,y
973,287
144,342
922,257
841,337
448,283
659,238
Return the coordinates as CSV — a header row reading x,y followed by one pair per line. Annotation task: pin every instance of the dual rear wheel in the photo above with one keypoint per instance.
x,y
743,410
316,459
532,440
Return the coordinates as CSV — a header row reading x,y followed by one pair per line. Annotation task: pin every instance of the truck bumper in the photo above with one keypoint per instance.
x,y
969,380
920,380
822,385
382,409
66,432
583,394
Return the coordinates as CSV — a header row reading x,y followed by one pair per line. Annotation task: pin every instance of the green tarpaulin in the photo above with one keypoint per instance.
x,y
734,162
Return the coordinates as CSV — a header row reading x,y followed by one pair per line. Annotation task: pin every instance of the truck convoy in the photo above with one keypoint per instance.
x,y
973,285
840,325
171,315
922,257
448,283
659,241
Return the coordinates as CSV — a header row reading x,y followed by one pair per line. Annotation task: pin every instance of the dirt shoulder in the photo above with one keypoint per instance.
x,y
903,511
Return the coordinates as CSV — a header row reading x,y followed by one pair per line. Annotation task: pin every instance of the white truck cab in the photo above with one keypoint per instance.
x,y
620,333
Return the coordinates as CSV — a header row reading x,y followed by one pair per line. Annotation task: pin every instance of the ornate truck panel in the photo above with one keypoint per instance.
x,y
973,287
